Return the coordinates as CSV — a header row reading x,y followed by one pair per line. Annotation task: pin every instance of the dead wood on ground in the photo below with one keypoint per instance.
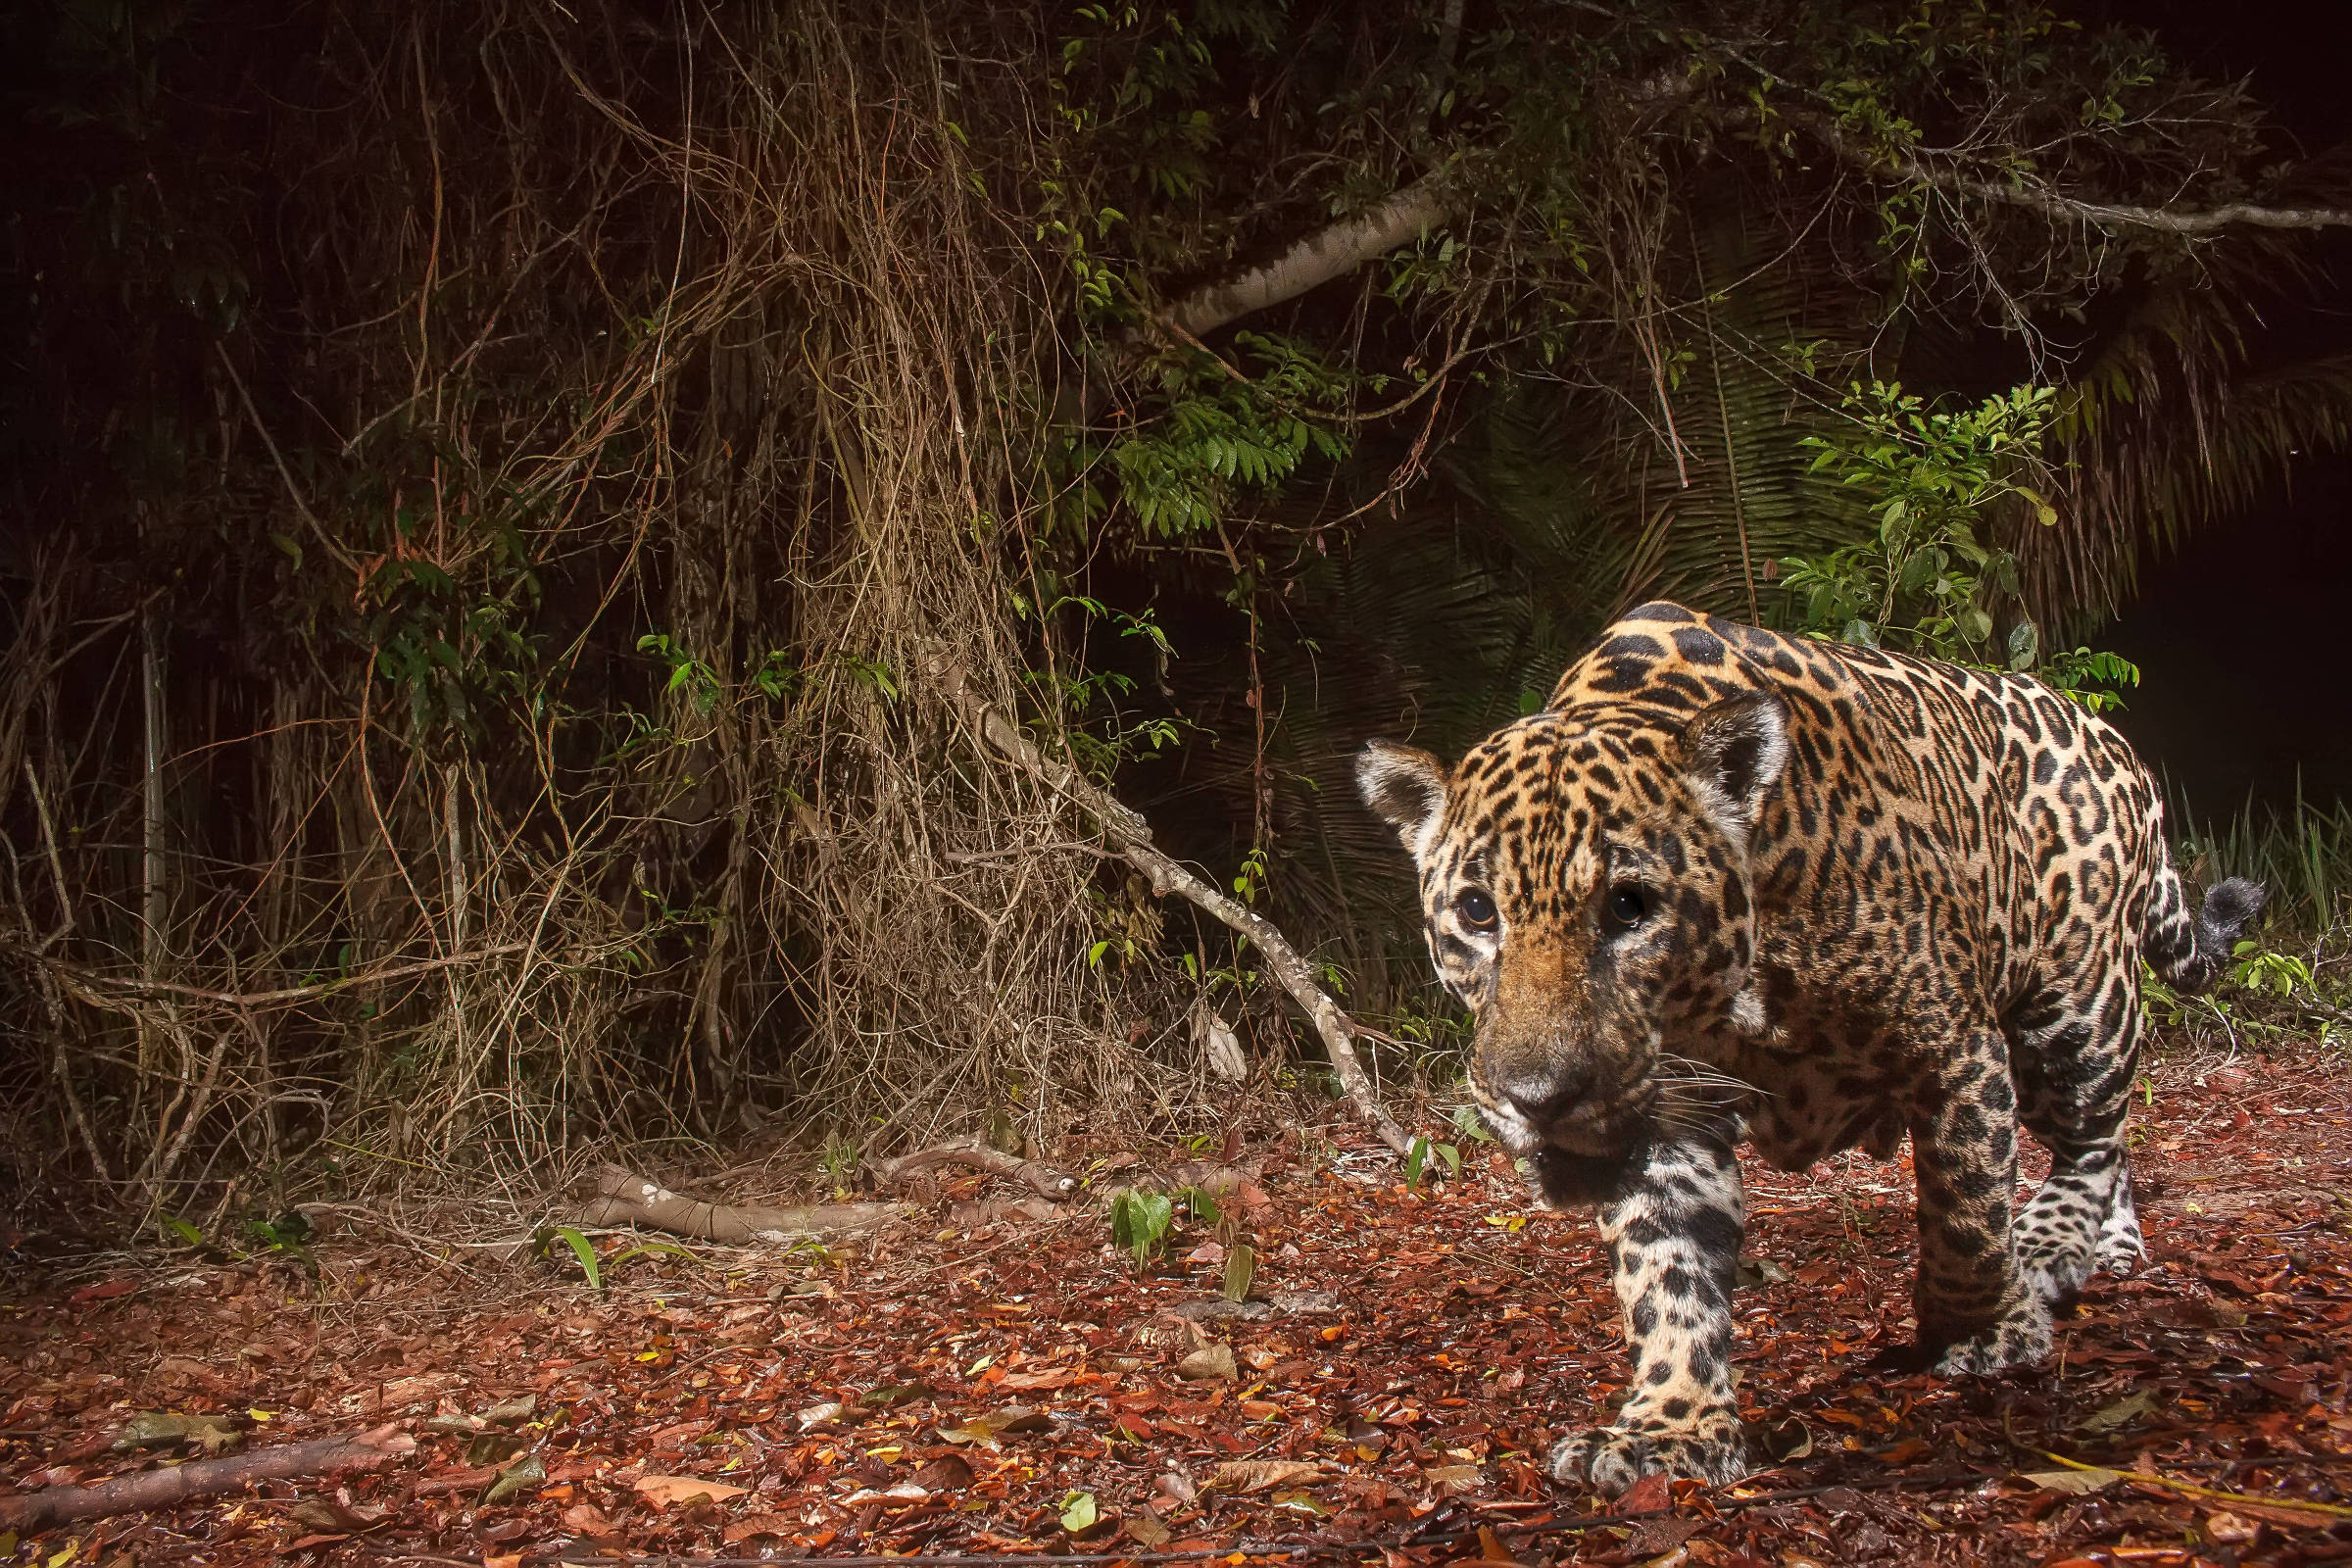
x,y
890,1174
203,1478
624,1197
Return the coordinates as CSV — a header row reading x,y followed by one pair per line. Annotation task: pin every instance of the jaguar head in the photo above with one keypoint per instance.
x,y
1586,890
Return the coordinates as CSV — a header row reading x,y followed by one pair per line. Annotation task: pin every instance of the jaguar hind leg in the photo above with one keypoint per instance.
x,y
2077,1068
1977,1310
2121,1248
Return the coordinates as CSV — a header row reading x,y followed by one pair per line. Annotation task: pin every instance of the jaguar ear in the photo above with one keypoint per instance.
x,y
1732,754
1405,788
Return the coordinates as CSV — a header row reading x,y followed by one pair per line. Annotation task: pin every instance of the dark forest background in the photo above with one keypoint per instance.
x,y
529,526
2232,628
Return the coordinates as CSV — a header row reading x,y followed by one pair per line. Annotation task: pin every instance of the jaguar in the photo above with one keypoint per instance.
x,y
1733,886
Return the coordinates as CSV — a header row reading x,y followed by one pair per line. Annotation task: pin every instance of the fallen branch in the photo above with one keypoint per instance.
x,y
1131,835
1333,251
624,1197
994,1210
1044,1178
203,1478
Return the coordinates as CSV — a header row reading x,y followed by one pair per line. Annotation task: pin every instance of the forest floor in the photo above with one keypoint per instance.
x,y
1024,1389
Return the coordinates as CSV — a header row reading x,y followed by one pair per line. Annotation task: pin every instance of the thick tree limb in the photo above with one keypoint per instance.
x,y
202,1477
624,1198
1340,248
1131,835
1328,253
1044,1178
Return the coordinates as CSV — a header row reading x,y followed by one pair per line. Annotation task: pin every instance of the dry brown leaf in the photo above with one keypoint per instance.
x,y
670,1491
587,1519
758,1524
2230,1530
1259,1474
186,1367
947,1472
2122,1413
1209,1365
1451,1478
1491,1550
1052,1378
1651,1491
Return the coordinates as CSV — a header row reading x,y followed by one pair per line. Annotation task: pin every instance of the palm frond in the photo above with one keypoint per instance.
x,y
2172,424
1710,481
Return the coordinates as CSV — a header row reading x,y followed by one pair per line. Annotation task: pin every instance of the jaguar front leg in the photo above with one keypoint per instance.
x,y
1673,1220
1977,1310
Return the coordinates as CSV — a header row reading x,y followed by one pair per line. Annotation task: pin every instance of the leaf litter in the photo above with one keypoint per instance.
x,y
1397,1366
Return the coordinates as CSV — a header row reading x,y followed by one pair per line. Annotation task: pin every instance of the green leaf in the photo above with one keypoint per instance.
x,y
2024,645
651,1247
1467,1121
525,1474
1078,1512
1139,1221
155,1430
582,1249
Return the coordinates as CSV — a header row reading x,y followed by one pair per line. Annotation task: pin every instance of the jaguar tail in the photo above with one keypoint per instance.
x,y
2189,949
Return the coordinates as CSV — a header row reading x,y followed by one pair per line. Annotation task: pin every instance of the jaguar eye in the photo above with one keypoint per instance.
x,y
1627,906
1476,909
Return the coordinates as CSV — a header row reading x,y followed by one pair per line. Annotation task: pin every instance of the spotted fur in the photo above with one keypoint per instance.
x,y
1731,884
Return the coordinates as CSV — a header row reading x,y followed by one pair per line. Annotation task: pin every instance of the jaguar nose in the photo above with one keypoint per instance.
x,y
1542,1100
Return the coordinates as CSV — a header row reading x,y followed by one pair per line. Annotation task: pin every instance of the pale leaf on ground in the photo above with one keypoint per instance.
x,y
1258,1475
2078,1481
2122,1413
673,1489
1213,1364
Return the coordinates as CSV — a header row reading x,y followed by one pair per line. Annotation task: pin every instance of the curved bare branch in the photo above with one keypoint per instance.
x,y
1328,253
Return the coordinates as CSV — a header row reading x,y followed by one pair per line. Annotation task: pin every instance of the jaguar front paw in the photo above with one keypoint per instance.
x,y
1609,1459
